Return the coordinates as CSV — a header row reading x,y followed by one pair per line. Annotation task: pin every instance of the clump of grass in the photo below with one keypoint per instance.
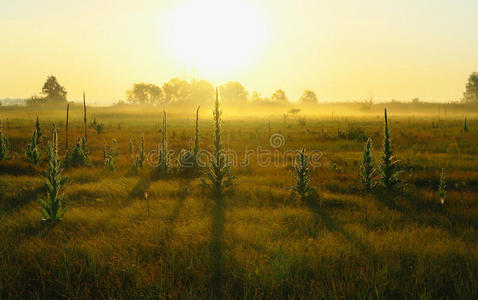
x,y
32,153
4,144
164,163
442,188
302,177
52,209
110,156
218,175
80,154
367,169
389,168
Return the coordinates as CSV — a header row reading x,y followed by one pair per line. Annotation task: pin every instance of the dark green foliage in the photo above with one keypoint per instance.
x,y
218,175
367,169
80,154
52,209
163,164
389,168
465,125
32,153
302,177
442,188
4,144
39,132
110,156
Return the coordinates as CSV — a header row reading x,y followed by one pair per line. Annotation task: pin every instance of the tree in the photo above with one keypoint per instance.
x,y
308,97
145,93
233,92
471,92
175,90
53,91
279,97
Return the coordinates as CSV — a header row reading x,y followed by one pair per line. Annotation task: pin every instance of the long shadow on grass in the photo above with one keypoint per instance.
x,y
322,215
141,186
23,198
217,247
182,195
414,209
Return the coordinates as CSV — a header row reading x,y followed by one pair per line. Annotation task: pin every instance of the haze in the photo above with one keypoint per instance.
x,y
343,50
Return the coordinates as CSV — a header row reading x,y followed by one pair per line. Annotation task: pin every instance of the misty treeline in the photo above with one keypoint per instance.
x,y
199,92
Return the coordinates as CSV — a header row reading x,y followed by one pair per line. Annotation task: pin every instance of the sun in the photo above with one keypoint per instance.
x,y
214,37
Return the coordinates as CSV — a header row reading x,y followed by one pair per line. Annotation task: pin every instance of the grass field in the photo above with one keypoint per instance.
x,y
262,241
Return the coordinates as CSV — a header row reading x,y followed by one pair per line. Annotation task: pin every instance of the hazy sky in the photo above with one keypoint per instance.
x,y
343,50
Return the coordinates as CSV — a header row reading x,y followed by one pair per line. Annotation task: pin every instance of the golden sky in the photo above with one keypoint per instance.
x,y
343,50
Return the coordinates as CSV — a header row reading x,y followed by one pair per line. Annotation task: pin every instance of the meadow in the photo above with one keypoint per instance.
x,y
130,236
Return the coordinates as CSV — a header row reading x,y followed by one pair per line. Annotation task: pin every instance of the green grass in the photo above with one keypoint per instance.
x,y
263,242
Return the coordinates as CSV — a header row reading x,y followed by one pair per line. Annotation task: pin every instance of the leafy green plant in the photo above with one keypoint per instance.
x,y
465,125
218,175
302,177
32,153
52,209
110,156
367,169
39,132
442,188
80,154
389,168
4,144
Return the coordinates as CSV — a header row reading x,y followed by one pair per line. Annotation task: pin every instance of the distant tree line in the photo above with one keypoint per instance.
x,y
201,91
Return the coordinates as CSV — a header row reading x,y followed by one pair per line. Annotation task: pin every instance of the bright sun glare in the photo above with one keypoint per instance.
x,y
214,37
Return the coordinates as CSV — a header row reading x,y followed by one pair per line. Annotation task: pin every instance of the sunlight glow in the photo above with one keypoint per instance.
x,y
214,37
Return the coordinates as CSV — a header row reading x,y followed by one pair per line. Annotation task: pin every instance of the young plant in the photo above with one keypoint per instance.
x,y
442,188
110,157
465,126
218,175
367,170
80,154
389,173
39,132
133,163
52,209
141,159
302,177
32,153
187,162
164,152
196,141
4,144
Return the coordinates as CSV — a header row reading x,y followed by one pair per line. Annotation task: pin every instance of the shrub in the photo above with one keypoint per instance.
x,y
52,209
80,154
32,153
367,170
